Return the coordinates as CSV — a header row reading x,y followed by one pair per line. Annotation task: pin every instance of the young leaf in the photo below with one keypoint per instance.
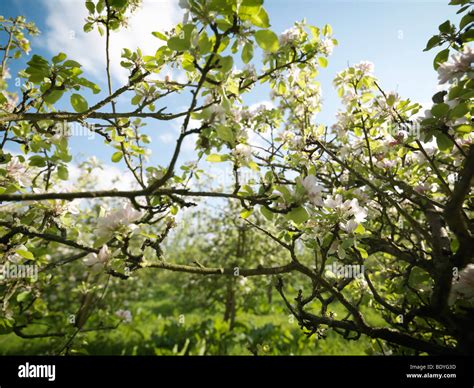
x,y
298,215
215,158
247,53
63,173
117,157
79,103
267,40
246,213
441,57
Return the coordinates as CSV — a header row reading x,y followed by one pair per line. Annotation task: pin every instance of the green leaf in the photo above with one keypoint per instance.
x,y
363,252
459,111
440,110
117,156
468,36
226,63
53,96
90,6
391,100
79,103
159,35
468,18
298,215
441,57
21,297
226,134
323,62
433,42
246,213
71,63
266,213
178,44
464,128
267,40
327,30
88,27
285,192
215,158
247,53
26,254
445,27
254,166
360,229
255,14
37,161
88,84
38,62
118,3
38,69
444,142
204,43
438,98
59,58
63,173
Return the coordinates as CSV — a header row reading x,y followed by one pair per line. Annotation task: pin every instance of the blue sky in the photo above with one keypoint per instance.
x,y
391,34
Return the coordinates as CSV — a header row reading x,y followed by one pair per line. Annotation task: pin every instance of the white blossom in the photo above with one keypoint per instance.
x,y
386,163
348,209
359,213
314,191
17,171
289,36
333,202
365,67
116,219
242,152
59,207
251,72
455,69
98,260
463,287
349,226
124,315
217,112
422,187
292,140
327,46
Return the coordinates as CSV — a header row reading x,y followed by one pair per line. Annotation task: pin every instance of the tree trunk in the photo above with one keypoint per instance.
x,y
230,308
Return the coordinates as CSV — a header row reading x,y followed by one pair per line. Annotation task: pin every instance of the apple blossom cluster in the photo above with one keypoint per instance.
x,y
327,46
349,210
313,190
463,287
124,315
242,152
116,220
460,66
292,140
291,35
17,171
97,261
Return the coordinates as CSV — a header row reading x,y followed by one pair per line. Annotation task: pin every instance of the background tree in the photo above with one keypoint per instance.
x,y
380,188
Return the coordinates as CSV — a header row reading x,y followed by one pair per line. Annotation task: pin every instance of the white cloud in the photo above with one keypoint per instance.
x,y
106,178
65,20
266,103
167,138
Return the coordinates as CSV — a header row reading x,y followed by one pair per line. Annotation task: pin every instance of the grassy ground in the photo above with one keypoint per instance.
x,y
157,328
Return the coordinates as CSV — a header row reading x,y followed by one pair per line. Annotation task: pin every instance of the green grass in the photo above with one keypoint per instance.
x,y
156,329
